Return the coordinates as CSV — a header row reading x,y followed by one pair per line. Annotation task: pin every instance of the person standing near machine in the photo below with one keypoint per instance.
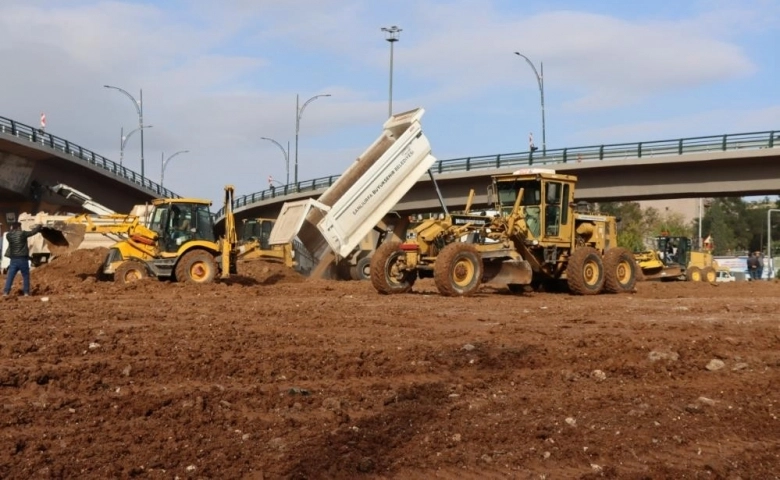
x,y
19,254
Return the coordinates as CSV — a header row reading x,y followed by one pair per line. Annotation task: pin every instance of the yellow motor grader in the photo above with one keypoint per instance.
x,y
179,242
535,236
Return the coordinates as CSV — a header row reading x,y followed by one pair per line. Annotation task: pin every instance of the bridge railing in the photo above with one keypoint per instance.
x,y
617,151
40,137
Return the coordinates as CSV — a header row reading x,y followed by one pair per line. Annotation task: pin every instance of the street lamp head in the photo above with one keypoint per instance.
x,y
392,33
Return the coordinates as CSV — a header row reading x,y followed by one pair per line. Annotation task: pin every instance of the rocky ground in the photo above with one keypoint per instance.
x,y
270,375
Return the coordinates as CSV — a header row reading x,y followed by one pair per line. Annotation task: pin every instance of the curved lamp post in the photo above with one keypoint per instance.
x,y
286,154
392,37
164,163
139,107
540,81
298,115
124,141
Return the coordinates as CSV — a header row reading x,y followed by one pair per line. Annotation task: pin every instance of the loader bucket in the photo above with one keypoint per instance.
x,y
62,237
517,272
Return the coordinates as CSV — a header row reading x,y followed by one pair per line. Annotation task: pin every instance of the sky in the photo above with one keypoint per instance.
x,y
217,76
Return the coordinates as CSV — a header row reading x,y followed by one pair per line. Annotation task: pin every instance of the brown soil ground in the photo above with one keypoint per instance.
x,y
269,375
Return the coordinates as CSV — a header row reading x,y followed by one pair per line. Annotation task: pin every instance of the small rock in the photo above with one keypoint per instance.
x,y
571,421
706,401
44,299
93,345
656,355
468,347
598,375
715,364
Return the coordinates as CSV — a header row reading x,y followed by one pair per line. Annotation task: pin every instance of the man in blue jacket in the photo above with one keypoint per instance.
x,y
19,254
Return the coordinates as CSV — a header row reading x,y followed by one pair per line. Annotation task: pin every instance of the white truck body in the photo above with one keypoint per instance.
x,y
347,211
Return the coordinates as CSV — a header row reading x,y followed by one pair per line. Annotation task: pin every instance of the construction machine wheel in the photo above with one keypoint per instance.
x,y
197,266
709,274
387,273
620,271
458,270
693,274
585,271
130,271
361,271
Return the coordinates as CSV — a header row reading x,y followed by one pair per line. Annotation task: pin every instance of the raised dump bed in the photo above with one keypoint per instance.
x,y
335,223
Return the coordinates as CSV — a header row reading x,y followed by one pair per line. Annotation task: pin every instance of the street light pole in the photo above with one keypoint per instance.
x,y
139,107
769,240
392,37
164,163
285,153
298,115
540,81
127,137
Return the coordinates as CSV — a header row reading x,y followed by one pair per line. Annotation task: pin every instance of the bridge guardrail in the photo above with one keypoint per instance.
x,y
37,136
617,151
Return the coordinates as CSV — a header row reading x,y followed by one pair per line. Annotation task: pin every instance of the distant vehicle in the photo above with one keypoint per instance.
x,y
724,276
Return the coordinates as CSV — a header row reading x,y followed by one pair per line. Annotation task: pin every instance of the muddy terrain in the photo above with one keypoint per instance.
x,y
270,375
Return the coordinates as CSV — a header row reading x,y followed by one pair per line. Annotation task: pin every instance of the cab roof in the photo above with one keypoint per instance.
x,y
534,173
179,201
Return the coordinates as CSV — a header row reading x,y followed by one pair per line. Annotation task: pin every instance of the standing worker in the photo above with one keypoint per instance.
x,y
19,254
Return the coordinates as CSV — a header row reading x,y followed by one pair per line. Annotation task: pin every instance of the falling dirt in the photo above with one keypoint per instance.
x,y
271,375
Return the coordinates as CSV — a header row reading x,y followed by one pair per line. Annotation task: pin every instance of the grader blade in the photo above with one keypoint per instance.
x,y
62,237
508,272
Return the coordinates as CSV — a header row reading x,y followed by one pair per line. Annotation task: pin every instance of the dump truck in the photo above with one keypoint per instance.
x,y
331,228
537,237
673,258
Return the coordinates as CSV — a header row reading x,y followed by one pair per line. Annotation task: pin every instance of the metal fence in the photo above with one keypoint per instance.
x,y
617,151
40,137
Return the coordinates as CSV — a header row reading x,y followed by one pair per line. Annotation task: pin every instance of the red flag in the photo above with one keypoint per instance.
x,y
43,121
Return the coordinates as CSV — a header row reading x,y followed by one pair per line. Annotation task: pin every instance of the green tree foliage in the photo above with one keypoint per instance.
x,y
637,227
736,226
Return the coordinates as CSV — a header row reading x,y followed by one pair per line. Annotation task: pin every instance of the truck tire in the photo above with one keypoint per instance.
x,y
197,266
385,275
693,274
620,271
362,271
585,272
458,270
130,271
709,275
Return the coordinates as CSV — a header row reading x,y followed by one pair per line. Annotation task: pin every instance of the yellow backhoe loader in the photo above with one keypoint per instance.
x,y
179,243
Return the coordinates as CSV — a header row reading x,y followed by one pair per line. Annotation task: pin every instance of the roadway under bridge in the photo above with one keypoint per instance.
x,y
718,166
31,160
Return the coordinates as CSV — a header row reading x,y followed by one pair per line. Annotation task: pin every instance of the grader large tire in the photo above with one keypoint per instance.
x,y
585,272
693,274
197,266
458,270
385,274
709,275
620,271
130,271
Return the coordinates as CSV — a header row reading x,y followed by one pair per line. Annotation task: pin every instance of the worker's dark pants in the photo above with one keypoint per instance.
x,y
18,265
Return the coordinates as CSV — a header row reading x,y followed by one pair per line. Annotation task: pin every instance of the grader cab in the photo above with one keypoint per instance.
x,y
537,236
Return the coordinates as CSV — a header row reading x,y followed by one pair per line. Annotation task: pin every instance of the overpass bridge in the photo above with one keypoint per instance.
x,y
31,159
741,164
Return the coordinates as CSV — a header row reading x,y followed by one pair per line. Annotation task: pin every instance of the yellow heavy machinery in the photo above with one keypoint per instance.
x,y
254,245
536,237
179,243
673,258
